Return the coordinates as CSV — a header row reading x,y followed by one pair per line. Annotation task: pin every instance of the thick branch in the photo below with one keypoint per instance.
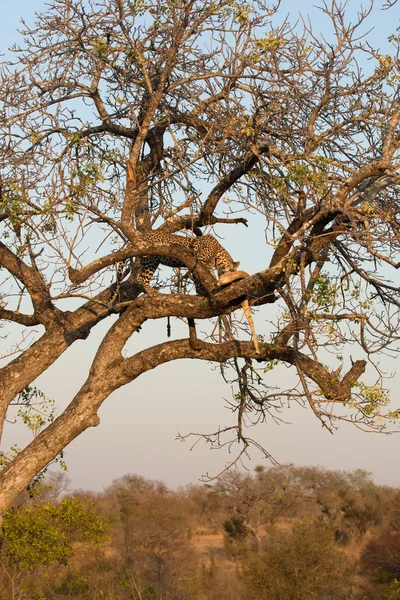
x,y
31,278
24,369
17,317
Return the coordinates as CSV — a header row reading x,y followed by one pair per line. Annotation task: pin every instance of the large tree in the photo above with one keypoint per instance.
x,y
120,117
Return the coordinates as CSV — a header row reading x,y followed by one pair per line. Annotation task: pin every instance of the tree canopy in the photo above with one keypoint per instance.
x,y
121,117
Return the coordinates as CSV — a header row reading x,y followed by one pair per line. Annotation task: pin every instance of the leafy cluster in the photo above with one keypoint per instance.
x,y
33,537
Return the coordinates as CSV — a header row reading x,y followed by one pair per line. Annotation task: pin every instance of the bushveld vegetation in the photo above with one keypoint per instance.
x,y
277,534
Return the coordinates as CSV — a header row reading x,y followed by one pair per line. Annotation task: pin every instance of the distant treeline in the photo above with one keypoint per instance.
x,y
277,534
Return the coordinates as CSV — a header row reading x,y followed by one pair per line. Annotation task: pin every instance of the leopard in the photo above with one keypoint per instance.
x,y
206,248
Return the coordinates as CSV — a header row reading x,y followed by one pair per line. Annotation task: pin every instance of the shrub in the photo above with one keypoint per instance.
x,y
299,564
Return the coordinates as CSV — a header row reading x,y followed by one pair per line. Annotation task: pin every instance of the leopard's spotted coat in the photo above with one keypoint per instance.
x,y
206,248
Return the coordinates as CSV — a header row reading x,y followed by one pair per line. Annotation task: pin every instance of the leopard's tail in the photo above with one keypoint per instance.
x,y
248,315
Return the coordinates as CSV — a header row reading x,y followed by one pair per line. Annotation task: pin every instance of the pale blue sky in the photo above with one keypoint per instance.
x,y
140,421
